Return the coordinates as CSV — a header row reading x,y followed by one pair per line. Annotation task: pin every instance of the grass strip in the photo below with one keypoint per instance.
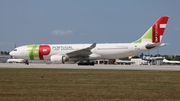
x,y
88,85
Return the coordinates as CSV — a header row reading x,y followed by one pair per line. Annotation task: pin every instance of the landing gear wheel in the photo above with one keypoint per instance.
x,y
26,62
91,63
86,63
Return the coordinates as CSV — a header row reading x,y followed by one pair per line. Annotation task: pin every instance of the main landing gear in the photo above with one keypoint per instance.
x,y
86,63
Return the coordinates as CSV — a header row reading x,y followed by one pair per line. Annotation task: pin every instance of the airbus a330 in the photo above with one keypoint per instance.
x,y
86,53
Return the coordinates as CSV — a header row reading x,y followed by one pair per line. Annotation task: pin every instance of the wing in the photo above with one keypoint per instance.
x,y
82,52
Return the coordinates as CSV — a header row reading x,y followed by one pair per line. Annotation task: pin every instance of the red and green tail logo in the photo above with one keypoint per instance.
x,y
155,32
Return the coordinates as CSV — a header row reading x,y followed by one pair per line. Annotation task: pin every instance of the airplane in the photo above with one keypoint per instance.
x,y
86,53
118,61
149,59
170,62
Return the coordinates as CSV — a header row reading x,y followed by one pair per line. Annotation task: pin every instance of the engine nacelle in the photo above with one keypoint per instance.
x,y
58,59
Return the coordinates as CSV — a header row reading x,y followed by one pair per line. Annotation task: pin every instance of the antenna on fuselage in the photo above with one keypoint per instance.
x,y
15,45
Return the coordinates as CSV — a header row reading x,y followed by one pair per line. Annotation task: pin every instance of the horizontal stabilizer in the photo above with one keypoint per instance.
x,y
154,45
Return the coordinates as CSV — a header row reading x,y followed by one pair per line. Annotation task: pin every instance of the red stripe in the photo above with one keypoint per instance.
x,y
156,30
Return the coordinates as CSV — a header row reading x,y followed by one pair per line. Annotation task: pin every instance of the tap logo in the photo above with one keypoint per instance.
x,y
38,51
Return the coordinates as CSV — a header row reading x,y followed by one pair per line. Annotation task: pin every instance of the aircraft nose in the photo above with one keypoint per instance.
x,y
11,53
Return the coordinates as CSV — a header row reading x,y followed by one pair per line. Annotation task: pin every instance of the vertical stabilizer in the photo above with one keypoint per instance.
x,y
155,32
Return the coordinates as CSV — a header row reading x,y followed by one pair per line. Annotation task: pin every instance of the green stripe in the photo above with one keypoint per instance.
x,y
33,51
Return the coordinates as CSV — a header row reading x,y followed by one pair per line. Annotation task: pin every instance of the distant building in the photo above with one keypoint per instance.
x,y
139,61
102,61
4,58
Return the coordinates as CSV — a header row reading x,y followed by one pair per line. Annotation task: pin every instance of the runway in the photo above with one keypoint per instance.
x,y
96,67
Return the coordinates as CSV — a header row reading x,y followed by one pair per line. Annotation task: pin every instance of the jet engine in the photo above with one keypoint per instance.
x,y
59,59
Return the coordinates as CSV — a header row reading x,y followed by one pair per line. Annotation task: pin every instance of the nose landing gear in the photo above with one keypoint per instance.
x,y
26,62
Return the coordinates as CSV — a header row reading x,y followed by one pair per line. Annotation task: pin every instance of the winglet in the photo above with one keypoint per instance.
x,y
92,46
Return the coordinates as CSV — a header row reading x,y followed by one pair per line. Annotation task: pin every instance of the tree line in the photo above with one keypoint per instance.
x,y
4,53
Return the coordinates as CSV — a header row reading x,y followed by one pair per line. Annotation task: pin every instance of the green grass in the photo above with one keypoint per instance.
x,y
89,85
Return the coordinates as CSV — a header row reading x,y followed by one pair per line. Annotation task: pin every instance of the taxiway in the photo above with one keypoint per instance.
x,y
96,67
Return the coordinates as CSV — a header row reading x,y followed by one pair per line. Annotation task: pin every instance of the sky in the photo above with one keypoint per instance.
x,y
25,22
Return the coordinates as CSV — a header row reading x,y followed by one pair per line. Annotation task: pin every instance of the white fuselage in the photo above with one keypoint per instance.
x,y
101,51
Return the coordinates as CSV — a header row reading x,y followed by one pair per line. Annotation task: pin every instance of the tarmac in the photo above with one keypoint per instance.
x,y
95,67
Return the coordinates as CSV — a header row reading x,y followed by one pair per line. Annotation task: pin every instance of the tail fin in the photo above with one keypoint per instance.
x,y
155,32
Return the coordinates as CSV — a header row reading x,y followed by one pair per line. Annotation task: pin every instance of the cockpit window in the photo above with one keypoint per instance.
x,y
15,49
